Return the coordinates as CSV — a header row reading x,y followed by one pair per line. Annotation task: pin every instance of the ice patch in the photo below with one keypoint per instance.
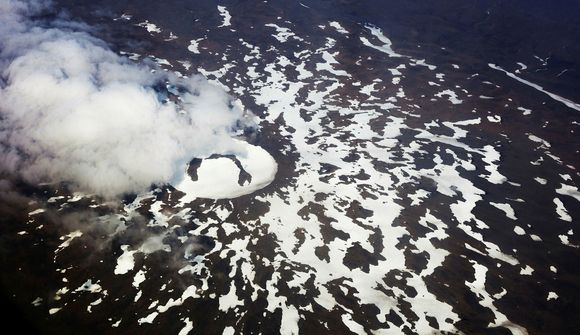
x,y
152,28
506,208
230,300
225,16
569,190
148,319
541,181
282,33
88,286
194,45
124,17
422,62
187,328
139,278
561,210
125,262
519,231
354,326
37,211
329,61
486,300
525,111
368,89
171,37
556,97
338,27
527,271
451,96
536,139
218,178
522,67
387,44
68,239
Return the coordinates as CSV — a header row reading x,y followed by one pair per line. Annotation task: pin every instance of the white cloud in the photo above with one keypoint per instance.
x,y
72,110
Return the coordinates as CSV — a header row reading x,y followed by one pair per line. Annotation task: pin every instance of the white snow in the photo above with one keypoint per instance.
x,y
561,210
187,328
451,95
139,278
225,14
386,47
88,286
527,271
125,262
328,64
194,45
152,28
569,190
506,208
282,33
37,211
536,139
148,319
541,180
338,27
525,111
218,178
519,230
67,239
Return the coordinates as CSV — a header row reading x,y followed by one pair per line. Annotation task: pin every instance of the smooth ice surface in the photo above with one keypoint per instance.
x,y
218,177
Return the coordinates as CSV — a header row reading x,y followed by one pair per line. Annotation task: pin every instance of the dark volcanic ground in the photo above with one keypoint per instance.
x,y
419,189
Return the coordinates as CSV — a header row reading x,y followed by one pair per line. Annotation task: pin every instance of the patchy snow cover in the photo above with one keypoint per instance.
x,y
381,203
